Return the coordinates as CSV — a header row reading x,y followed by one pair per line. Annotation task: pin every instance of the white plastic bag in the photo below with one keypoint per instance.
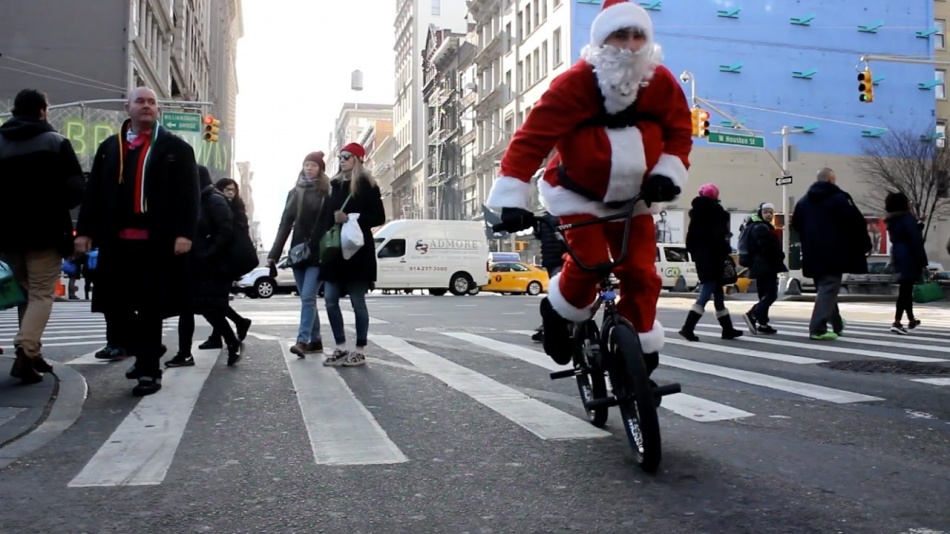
x,y
351,236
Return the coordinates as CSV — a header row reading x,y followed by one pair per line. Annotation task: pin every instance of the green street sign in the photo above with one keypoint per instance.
x,y
182,122
750,141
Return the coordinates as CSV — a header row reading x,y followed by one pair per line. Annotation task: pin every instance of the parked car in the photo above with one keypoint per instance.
x,y
259,283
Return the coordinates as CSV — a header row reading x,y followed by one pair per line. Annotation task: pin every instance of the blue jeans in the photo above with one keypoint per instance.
x,y
711,290
308,284
357,291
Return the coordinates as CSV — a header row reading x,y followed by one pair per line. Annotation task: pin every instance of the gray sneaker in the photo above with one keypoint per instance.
x,y
337,358
354,359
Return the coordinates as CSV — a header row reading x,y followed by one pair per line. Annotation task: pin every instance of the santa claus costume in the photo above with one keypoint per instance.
x,y
618,120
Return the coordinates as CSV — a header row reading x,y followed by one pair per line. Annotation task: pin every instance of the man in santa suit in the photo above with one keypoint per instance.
x,y
621,125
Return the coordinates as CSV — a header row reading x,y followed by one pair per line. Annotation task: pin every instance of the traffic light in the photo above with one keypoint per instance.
x,y
866,86
700,122
211,128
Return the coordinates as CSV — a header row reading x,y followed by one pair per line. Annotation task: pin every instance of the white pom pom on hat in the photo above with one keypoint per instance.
x,y
617,15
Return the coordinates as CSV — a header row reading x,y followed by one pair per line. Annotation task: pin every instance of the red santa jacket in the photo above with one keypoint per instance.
x,y
609,164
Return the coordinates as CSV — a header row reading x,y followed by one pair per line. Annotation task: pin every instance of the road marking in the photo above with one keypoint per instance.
x,y
812,391
536,417
779,357
681,404
523,332
141,449
933,381
341,430
512,313
291,318
826,346
934,337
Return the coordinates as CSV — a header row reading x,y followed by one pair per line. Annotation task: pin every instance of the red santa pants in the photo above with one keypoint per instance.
x,y
573,291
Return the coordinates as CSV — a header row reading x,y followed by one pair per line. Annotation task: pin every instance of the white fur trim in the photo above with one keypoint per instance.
x,y
722,313
562,202
672,167
563,307
627,163
697,309
653,340
618,16
509,192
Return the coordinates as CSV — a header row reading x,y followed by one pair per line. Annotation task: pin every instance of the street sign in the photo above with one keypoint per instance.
x,y
734,139
182,122
783,180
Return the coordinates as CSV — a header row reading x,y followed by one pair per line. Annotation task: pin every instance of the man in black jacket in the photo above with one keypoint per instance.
x,y
552,255
835,241
40,181
141,210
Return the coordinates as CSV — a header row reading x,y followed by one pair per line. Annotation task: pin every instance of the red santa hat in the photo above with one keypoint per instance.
x,y
617,15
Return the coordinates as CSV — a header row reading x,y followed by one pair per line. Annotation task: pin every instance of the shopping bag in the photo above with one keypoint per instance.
x,y
927,292
11,294
351,236
729,274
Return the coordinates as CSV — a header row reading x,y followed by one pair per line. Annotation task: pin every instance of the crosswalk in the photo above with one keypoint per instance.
x,y
344,431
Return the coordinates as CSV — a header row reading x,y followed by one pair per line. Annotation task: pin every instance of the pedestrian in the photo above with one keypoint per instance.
x,y
40,181
835,241
760,250
552,255
305,215
211,275
907,255
230,189
141,211
707,240
353,192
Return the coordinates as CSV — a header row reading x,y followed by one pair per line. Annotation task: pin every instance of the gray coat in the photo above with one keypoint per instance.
x,y
302,218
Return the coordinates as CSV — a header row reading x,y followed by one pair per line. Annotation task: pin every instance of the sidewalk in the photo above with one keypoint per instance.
x,y
32,415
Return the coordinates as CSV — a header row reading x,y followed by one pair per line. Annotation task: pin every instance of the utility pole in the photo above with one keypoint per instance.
x,y
785,223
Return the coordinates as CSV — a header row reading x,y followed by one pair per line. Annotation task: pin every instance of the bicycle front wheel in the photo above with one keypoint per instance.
x,y
636,404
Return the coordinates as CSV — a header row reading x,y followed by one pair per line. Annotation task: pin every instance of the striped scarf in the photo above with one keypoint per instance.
x,y
141,206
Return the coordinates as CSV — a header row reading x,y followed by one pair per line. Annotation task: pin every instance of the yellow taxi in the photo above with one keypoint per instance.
x,y
516,277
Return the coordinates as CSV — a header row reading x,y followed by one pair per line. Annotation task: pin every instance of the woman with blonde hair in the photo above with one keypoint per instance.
x,y
353,191
305,215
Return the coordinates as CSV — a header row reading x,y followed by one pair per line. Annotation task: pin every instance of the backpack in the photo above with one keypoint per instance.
x,y
92,259
745,259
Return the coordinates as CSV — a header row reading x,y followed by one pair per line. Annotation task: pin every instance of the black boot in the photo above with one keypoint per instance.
x,y
725,321
538,335
557,334
692,318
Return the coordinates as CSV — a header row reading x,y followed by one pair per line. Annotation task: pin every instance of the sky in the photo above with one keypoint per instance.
x,y
294,64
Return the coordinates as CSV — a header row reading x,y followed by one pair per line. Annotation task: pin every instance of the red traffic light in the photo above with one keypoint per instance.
x,y
208,119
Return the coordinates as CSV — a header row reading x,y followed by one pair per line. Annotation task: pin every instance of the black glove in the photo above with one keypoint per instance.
x,y
514,220
659,188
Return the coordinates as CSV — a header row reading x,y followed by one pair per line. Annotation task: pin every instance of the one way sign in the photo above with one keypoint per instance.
x,y
783,180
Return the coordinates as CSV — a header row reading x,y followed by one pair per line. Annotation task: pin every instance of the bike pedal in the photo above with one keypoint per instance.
x,y
668,389
604,402
567,373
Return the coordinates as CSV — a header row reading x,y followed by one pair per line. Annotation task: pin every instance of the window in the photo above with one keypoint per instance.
x,y
941,132
938,38
520,81
501,268
436,7
537,65
527,20
396,248
676,255
544,58
940,90
537,15
544,10
519,268
556,47
508,37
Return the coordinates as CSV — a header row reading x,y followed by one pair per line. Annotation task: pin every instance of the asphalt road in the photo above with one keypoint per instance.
x,y
454,427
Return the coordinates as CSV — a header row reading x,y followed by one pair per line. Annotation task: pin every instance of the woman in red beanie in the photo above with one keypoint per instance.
x,y
353,191
304,214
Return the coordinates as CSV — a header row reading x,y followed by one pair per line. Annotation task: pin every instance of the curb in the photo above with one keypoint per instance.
x,y
62,410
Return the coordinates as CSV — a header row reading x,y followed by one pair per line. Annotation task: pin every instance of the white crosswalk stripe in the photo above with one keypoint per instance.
x,y
343,431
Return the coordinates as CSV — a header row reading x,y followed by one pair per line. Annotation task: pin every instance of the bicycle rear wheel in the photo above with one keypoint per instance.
x,y
632,388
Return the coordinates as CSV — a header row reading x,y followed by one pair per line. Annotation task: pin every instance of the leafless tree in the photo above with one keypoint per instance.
x,y
911,163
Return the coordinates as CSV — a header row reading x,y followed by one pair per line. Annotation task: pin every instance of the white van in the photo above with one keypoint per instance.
x,y
435,255
672,260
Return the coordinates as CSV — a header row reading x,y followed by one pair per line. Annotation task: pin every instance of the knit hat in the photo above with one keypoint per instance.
x,y
709,191
356,149
896,202
617,15
204,176
316,157
766,206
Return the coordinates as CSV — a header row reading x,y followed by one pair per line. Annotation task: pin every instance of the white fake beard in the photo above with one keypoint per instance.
x,y
621,73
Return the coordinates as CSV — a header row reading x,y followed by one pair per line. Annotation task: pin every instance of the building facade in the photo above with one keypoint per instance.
x,y
244,178
82,51
413,19
351,123
941,54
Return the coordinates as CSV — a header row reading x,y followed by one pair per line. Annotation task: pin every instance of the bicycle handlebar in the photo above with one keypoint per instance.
x,y
602,267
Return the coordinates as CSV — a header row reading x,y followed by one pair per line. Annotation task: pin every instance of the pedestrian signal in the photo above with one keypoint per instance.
x,y
211,128
866,86
700,122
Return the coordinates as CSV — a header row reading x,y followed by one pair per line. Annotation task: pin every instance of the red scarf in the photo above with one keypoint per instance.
x,y
142,141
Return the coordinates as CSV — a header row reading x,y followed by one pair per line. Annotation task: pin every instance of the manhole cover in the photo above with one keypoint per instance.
x,y
887,367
